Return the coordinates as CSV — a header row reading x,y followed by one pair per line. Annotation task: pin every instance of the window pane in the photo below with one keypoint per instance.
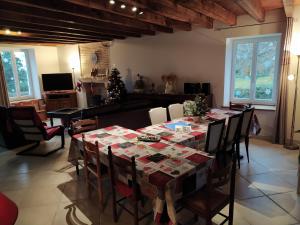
x,y
243,70
22,73
8,72
265,70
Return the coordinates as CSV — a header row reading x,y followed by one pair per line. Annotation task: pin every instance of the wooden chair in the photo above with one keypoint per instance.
x,y
34,129
158,115
94,168
232,131
80,126
175,111
119,166
244,134
238,106
214,136
210,200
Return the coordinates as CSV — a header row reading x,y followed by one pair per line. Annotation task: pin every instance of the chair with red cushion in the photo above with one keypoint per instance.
x,y
33,129
127,189
8,211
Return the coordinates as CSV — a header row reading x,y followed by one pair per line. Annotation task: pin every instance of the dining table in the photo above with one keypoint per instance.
x,y
166,170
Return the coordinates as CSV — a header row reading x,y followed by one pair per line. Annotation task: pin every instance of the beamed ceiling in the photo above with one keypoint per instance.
x,y
84,21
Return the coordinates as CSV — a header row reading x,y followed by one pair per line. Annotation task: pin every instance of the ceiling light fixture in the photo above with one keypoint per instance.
x,y
141,13
134,9
112,2
19,32
123,6
7,31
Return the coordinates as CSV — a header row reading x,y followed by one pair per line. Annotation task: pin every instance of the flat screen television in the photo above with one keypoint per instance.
x,y
57,81
192,88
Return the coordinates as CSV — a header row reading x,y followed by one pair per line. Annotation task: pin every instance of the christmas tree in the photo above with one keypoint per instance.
x,y
116,90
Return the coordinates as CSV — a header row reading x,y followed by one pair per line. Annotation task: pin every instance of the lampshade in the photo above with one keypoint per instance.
x,y
295,45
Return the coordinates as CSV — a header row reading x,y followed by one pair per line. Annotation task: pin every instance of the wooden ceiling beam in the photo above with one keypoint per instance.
x,y
179,25
60,16
38,29
51,35
253,8
210,9
174,11
37,40
76,13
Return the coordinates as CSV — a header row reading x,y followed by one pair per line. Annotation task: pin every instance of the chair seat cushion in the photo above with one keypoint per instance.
x,y
201,202
123,189
8,211
52,131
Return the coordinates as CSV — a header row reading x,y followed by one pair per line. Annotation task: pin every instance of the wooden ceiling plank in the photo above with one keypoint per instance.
x,y
76,13
179,25
76,27
37,40
174,11
253,8
37,29
210,9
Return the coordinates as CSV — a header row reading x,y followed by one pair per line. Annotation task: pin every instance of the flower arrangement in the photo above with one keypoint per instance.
x,y
198,107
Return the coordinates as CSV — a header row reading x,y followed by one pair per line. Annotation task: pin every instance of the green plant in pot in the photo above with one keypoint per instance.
x,y
201,106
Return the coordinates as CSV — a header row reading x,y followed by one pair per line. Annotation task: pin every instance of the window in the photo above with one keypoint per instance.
x,y
254,69
17,74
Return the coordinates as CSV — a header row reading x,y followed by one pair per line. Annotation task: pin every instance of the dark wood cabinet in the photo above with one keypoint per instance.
x,y
165,100
55,100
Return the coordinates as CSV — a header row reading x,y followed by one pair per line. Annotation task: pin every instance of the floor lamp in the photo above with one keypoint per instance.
x,y
291,145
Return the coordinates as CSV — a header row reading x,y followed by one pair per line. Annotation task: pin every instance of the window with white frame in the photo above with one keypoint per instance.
x,y
254,69
17,74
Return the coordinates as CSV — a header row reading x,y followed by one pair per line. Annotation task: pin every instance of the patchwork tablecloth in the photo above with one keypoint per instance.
x,y
196,136
181,169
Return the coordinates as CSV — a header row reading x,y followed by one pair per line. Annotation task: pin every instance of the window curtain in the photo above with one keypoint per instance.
x,y
4,100
279,136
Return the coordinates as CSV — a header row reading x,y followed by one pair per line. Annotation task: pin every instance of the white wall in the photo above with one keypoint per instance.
x,y
196,56
68,57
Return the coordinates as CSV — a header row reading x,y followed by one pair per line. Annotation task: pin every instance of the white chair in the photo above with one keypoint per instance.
x,y
158,115
175,111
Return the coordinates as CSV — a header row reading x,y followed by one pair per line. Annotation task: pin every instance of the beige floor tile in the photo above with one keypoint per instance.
x,y
262,211
269,183
40,196
290,202
39,215
245,190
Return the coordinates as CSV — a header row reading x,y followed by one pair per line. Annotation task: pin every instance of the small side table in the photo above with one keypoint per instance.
x,y
66,115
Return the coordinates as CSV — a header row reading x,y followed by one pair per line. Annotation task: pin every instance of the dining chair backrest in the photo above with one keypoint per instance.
x,y
239,106
214,136
158,115
233,127
91,155
223,174
175,111
125,168
247,118
84,125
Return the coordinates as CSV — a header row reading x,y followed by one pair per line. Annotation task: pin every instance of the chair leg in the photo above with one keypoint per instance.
x,y
62,137
136,212
100,193
238,154
77,170
114,206
247,147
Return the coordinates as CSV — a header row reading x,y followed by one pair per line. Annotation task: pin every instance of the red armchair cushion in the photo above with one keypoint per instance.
x,y
52,131
8,211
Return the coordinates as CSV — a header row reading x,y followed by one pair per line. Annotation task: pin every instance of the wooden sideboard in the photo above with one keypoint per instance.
x,y
165,100
55,100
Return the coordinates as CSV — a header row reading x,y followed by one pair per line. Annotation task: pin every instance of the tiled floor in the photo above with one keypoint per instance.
x,y
48,192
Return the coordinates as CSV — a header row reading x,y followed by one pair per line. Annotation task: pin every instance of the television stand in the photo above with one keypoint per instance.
x,y
55,100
